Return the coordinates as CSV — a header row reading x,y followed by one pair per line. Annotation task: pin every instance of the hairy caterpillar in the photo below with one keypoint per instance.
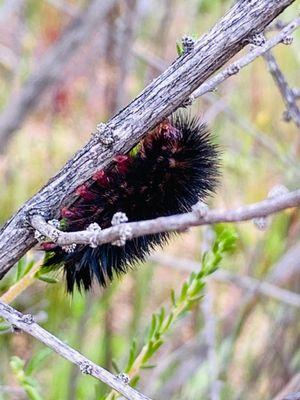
x,y
172,168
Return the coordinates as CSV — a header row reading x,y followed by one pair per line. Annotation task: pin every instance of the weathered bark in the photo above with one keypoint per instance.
x,y
158,100
27,324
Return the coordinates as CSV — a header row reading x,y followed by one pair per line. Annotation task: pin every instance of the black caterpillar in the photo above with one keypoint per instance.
x,y
172,168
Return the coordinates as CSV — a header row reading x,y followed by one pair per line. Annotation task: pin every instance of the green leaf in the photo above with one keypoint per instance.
x,y
28,380
4,326
196,298
63,224
173,298
168,322
134,151
16,363
149,366
184,290
134,380
192,291
161,316
32,392
115,366
157,345
46,278
132,355
152,326
179,49
28,267
152,348
37,360
195,288
20,268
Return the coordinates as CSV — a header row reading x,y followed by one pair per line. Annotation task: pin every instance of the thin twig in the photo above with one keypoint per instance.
x,y
242,62
292,396
292,386
296,92
15,290
232,69
288,95
27,324
211,84
266,142
178,222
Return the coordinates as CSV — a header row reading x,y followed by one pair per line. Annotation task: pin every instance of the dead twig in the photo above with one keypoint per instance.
x,y
27,324
288,94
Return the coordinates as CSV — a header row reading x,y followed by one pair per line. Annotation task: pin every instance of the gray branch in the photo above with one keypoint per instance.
x,y
291,390
231,69
288,95
164,95
292,396
178,222
211,84
258,51
27,324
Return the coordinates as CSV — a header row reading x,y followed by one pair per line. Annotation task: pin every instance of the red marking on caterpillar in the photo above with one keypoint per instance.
x,y
174,166
69,213
122,163
101,178
84,192
48,246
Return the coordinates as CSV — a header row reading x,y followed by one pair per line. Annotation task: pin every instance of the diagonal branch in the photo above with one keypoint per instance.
x,y
258,51
164,95
180,222
211,84
288,95
27,324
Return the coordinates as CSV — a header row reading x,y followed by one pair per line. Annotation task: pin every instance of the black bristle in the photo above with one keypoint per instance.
x,y
175,166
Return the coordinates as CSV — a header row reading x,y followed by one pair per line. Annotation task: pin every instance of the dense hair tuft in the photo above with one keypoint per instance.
x,y
173,167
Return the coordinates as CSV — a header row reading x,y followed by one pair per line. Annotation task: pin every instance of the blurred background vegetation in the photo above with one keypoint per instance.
x,y
236,343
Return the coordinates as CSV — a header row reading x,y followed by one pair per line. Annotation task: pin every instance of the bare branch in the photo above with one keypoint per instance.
x,y
235,67
288,95
292,386
27,324
296,92
164,95
20,285
229,71
292,396
265,141
178,222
